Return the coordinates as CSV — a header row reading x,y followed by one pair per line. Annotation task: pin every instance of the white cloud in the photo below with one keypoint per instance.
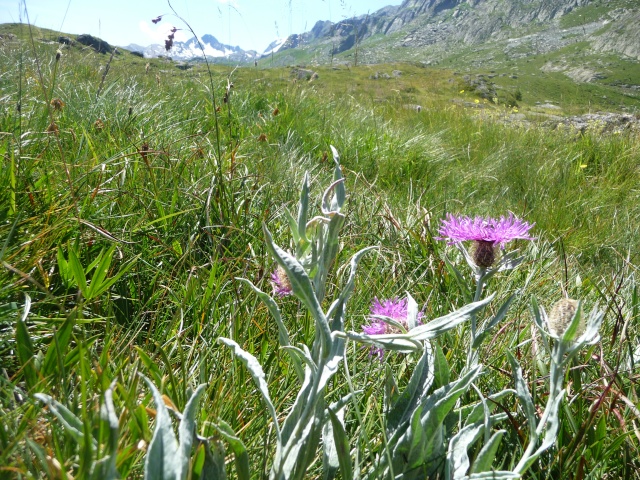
x,y
159,33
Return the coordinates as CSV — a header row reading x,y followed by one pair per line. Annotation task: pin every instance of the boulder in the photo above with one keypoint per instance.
x,y
303,74
96,43
410,106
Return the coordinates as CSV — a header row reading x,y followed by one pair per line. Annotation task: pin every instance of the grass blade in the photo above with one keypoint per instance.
x,y
24,346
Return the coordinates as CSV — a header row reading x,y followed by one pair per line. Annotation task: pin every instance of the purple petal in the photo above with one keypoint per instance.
x,y
461,228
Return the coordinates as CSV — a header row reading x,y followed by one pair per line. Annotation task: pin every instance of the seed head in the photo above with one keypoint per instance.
x,y
57,104
53,128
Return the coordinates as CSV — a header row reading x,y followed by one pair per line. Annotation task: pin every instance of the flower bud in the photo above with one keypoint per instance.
x,y
561,315
281,283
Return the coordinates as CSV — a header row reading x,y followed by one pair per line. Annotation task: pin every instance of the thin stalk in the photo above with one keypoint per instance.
x,y
104,74
220,178
558,362
213,95
472,357
47,100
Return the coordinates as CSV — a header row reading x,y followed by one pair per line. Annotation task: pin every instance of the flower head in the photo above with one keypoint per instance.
x,y
394,308
463,228
486,233
281,283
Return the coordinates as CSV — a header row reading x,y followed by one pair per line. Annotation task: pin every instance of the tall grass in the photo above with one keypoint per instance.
x,y
134,174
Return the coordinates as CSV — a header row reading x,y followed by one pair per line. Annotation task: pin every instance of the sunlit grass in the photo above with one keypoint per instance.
x,y
183,203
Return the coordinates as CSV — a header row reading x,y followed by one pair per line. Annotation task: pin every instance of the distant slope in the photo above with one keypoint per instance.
x,y
434,30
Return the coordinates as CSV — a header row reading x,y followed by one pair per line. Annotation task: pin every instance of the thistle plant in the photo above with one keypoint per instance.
x,y
315,239
433,422
421,422
488,236
430,425
427,426
564,332
421,419
416,427
304,274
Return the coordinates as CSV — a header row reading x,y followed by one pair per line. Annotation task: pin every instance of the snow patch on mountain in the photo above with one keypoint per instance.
x,y
190,50
274,46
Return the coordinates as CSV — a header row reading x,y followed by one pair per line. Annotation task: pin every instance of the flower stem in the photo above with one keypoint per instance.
x,y
556,378
472,356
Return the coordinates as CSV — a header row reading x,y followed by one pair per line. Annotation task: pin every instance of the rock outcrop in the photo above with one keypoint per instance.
x,y
96,43
622,35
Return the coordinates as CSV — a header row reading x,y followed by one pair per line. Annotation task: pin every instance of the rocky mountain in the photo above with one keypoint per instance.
x,y
437,29
274,46
190,50
623,34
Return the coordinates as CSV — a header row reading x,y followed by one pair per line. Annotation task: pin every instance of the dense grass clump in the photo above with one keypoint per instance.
x,y
132,202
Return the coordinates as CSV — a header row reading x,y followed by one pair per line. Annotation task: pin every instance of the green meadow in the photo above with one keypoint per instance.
x,y
134,197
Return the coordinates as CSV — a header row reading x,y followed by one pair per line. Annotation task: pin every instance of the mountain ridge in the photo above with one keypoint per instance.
x,y
190,50
438,28
460,32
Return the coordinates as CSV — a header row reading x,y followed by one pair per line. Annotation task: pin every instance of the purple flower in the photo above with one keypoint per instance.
x,y
281,283
499,232
486,234
394,308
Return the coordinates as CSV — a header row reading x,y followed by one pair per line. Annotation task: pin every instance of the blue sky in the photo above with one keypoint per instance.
x,y
250,24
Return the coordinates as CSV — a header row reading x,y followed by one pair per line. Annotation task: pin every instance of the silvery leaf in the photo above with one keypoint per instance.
x,y
457,457
303,208
487,454
163,460
255,369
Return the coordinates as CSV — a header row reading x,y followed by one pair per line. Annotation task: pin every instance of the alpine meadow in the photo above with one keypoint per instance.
x,y
404,246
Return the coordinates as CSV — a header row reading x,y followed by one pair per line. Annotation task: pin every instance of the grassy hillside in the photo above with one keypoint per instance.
x,y
133,198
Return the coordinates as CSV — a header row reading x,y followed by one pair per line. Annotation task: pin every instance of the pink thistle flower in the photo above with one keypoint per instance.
x,y
486,233
463,228
281,283
395,309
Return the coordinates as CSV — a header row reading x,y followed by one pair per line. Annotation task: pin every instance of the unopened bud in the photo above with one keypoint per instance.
x,y
561,315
